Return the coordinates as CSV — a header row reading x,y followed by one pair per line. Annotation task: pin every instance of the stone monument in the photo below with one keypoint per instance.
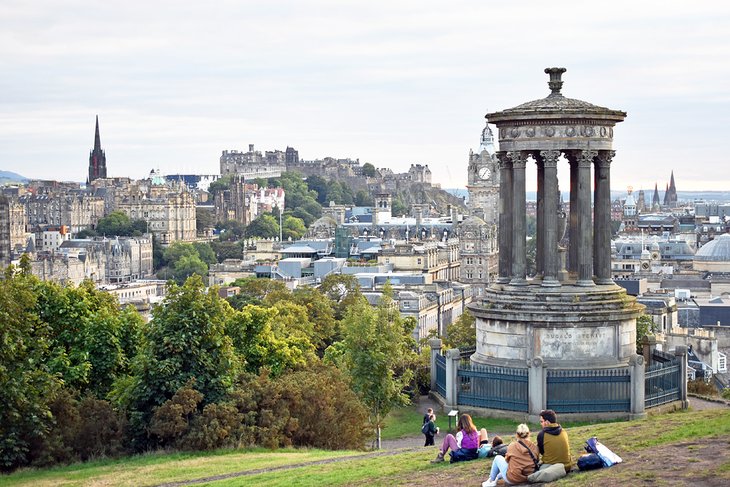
x,y
574,319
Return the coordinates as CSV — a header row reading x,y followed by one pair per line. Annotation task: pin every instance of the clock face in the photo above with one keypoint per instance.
x,y
484,173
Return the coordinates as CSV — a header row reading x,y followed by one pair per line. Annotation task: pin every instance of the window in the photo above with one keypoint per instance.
x,y
418,261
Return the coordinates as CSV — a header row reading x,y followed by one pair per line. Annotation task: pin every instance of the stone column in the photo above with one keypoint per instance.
x,y
435,344
638,386
549,244
584,252
573,219
453,357
602,217
540,221
681,353
537,388
505,218
519,234
648,345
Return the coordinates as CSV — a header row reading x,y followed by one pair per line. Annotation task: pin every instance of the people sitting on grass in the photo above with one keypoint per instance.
x,y
497,447
519,462
552,441
464,446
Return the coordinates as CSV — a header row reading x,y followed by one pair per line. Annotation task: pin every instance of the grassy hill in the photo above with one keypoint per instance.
x,y
680,448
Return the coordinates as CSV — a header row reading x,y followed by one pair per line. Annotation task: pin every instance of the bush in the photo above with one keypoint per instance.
x,y
82,430
701,388
219,425
171,421
329,415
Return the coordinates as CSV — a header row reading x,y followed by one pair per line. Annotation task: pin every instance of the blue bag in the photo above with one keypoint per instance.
x,y
590,461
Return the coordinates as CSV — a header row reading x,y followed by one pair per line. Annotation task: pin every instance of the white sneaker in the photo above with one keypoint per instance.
x,y
489,483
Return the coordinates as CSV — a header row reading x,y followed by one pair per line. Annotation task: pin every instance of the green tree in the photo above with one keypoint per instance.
x,y
399,208
363,198
318,184
368,170
644,327
293,228
342,290
321,313
264,226
374,342
462,333
188,265
115,223
219,185
231,230
227,250
276,337
185,340
91,340
205,252
27,386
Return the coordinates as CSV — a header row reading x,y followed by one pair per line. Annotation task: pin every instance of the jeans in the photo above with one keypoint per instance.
x,y
499,469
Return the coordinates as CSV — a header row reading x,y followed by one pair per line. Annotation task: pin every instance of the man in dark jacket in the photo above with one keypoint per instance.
x,y
552,441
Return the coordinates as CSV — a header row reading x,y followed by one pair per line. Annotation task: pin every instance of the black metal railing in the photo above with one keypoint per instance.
x,y
592,390
441,375
493,387
662,380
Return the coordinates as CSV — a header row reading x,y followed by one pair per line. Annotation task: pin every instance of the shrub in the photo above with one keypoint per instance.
x,y
102,431
217,426
702,388
329,415
170,421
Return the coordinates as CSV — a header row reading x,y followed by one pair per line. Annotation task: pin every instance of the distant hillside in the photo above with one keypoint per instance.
x,y
11,177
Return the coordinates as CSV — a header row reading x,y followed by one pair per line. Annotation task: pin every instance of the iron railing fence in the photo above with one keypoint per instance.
x,y
493,387
441,375
662,380
591,390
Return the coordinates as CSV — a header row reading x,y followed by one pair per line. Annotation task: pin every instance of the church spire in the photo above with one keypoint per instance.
x,y
97,158
97,138
655,200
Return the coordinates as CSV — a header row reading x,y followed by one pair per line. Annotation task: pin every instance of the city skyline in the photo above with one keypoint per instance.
x,y
392,84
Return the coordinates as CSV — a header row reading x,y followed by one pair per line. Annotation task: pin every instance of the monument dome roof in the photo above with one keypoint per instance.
x,y
555,105
717,250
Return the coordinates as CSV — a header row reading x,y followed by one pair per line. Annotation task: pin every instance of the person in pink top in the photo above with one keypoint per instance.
x,y
463,446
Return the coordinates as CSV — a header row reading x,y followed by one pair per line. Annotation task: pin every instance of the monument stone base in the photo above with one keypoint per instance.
x,y
568,326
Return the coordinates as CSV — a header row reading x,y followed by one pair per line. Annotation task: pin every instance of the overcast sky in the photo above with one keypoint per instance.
x,y
388,82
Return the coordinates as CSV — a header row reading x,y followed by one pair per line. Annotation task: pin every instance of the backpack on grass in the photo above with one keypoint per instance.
x,y
604,453
589,461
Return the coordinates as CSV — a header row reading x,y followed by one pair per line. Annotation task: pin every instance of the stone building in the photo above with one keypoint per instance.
x,y
74,209
243,202
253,164
483,179
478,252
440,260
419,173
12,228
103,260
168,208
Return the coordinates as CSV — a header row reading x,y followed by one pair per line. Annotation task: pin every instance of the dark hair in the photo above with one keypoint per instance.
x,y
549,416
496,441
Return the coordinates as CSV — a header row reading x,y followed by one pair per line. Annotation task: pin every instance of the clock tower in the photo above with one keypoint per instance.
x,y
483,179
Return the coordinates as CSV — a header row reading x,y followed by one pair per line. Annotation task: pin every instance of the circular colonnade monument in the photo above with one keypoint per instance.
x,y
571,314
